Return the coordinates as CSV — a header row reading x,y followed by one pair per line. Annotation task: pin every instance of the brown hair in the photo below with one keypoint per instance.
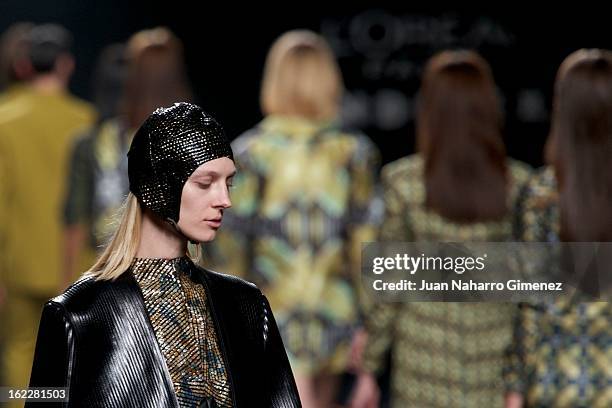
x,y
580,145
301,77
459,122
156,74
14,54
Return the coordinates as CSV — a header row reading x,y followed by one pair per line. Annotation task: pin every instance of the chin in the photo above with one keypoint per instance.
x,y
207,236
200,235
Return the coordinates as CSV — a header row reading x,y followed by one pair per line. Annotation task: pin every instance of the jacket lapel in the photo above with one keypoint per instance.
x,y
148,349
218,304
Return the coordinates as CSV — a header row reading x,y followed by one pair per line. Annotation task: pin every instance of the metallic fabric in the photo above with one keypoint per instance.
x,y
97,339
184,329
169,146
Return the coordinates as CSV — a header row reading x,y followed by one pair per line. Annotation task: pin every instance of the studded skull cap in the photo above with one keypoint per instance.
x,y
169,146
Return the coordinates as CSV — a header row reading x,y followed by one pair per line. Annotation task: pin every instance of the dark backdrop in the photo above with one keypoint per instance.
x,y
381,51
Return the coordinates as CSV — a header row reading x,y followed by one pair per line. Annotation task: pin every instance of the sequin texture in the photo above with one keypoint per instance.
x,y
184,328
169,146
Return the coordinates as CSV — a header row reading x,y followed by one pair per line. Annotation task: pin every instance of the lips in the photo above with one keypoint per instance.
x,y
214,223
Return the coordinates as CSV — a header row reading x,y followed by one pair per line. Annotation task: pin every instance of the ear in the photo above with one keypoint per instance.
x,y
64,65
22,67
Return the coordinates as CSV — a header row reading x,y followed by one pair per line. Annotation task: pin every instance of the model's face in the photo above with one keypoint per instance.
x,y
205,196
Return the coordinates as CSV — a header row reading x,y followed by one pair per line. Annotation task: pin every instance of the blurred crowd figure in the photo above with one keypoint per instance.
x,y
561,355
15,67
303,200
307,194
459,186
59,155
94,177
38,124
131,81
14,70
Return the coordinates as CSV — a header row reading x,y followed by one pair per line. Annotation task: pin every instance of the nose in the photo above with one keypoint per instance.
x,y
223,199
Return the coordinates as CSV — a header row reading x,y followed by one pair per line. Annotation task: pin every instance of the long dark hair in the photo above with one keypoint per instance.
x,y
580,145
459,123
156,74
108,80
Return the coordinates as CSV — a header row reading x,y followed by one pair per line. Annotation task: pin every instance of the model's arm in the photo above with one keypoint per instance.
x,y
281,390
77,207
54,355
365,212
380,317
515,368
75,237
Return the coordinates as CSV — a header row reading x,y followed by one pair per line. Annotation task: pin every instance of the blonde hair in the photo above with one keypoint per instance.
x,y
154,37
301,77
123,245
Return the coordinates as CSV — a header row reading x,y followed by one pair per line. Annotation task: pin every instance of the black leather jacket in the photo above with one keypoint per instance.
x,y
97,340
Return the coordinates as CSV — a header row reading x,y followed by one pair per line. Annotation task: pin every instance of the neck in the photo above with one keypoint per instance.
x,y
48,83
159,240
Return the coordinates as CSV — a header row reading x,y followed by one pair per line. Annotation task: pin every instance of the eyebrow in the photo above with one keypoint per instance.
x,y
212,173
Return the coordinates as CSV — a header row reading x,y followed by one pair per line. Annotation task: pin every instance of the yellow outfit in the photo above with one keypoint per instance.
x,y
36,135
12,92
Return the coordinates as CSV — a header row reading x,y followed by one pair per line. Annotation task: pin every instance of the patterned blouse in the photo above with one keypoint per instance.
x,y
303,203
442,354
561,355
97,180
185,331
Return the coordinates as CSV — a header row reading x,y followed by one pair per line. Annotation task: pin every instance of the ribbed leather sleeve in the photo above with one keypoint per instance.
x,y
258,363
97,339
59,354
280,384
115,360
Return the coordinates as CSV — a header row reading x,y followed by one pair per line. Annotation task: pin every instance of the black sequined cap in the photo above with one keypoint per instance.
x,y
169,146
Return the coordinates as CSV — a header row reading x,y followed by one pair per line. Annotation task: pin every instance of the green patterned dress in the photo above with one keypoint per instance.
x,y
561,355
302,204
442,354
